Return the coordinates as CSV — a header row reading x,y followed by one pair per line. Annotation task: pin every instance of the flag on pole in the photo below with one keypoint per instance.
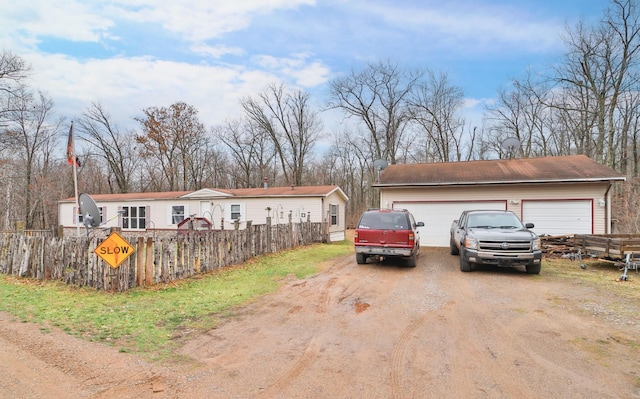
x,y
71,149
75,162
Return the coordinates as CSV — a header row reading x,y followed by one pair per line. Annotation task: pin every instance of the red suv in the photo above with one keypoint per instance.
x,y
384,233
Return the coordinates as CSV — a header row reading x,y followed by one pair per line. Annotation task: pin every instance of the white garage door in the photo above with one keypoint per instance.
x,y
437,217
559,217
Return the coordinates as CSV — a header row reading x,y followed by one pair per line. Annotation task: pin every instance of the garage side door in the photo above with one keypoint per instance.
x,y
437,217
559,217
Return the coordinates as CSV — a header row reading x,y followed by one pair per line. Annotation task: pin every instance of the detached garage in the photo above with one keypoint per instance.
x,y
560,195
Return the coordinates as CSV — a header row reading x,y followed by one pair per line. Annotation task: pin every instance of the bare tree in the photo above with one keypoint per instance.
x,y
13,72
208,167
351,164
378,98
599,68
172,137
290,122
519,113
109,143
435,105
31,136
251,150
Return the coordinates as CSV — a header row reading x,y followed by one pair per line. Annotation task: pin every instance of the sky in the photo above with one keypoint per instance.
x,y
129,55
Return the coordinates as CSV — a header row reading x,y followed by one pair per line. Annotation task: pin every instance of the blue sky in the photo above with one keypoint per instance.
x,y
133,54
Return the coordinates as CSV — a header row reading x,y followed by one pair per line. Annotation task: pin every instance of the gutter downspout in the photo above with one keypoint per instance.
x,y
325,222
607,210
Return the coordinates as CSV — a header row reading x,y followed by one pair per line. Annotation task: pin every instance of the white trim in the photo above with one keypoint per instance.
x,y
206,193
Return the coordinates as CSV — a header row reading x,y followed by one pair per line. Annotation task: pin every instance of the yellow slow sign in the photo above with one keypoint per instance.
x,y
114,250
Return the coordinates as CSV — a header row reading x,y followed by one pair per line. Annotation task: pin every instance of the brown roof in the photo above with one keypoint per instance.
x,y
289,191
134,196
298,191
572,168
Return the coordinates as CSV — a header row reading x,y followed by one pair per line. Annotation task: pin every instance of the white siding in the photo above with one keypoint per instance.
x,y
218,208
256,209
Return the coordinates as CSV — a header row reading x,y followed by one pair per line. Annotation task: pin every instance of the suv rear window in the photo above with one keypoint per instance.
x,y
383,221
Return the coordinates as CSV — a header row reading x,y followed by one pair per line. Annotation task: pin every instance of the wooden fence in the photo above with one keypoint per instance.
x,y
155,260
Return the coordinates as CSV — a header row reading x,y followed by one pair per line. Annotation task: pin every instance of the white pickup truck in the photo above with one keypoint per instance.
x,y
496,238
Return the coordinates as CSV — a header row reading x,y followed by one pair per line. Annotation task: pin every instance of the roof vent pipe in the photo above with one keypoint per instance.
x,y
265,183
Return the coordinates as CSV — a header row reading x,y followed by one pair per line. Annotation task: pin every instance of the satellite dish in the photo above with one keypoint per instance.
x,y
510,144
380,164
89,211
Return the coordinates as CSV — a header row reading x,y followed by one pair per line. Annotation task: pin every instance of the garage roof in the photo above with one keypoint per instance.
x,y
572,168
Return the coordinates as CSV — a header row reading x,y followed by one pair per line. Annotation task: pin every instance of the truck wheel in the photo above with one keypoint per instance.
x,y
361,259
465,266
534,268
411,262
452,246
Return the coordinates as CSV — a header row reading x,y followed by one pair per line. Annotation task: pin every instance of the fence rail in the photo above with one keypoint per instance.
x,y
155,260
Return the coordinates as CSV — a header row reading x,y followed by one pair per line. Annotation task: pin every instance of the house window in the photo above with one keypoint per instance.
x,y
235,211
134,217
177,214
334,214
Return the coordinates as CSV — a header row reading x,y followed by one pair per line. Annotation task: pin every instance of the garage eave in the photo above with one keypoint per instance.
x,y
498,182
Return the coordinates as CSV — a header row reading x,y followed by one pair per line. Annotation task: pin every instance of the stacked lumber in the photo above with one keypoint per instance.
x,y
557,246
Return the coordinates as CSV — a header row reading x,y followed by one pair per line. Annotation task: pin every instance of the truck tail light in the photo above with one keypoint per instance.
x,y
355,237
412,239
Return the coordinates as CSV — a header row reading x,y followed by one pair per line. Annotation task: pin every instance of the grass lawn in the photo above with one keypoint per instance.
x,y
147,320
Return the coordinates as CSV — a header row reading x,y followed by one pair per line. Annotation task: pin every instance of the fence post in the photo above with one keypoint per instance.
x,y
249,231
140,266
148,264
268,249
291,233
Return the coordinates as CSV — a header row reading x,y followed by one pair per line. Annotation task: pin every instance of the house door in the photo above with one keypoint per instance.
x,y
205,210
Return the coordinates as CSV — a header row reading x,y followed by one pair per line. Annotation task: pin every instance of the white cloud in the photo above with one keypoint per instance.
x,y
297,68
203,19
125,86
472,26
216,51
90,20
211,53
24,22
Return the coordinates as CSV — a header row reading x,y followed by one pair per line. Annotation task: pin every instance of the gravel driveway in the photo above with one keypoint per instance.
x,y
365,331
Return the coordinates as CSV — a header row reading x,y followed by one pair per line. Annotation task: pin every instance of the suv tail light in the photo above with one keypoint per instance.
x,y
355,236
412,239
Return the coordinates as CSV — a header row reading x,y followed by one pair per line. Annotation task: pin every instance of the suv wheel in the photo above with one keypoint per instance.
x,y
412,261
361,259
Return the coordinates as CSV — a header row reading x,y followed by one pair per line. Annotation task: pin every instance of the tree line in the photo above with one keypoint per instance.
x,y
586,103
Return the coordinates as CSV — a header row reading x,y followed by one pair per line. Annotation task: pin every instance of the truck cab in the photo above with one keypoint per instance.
x,y
496,238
